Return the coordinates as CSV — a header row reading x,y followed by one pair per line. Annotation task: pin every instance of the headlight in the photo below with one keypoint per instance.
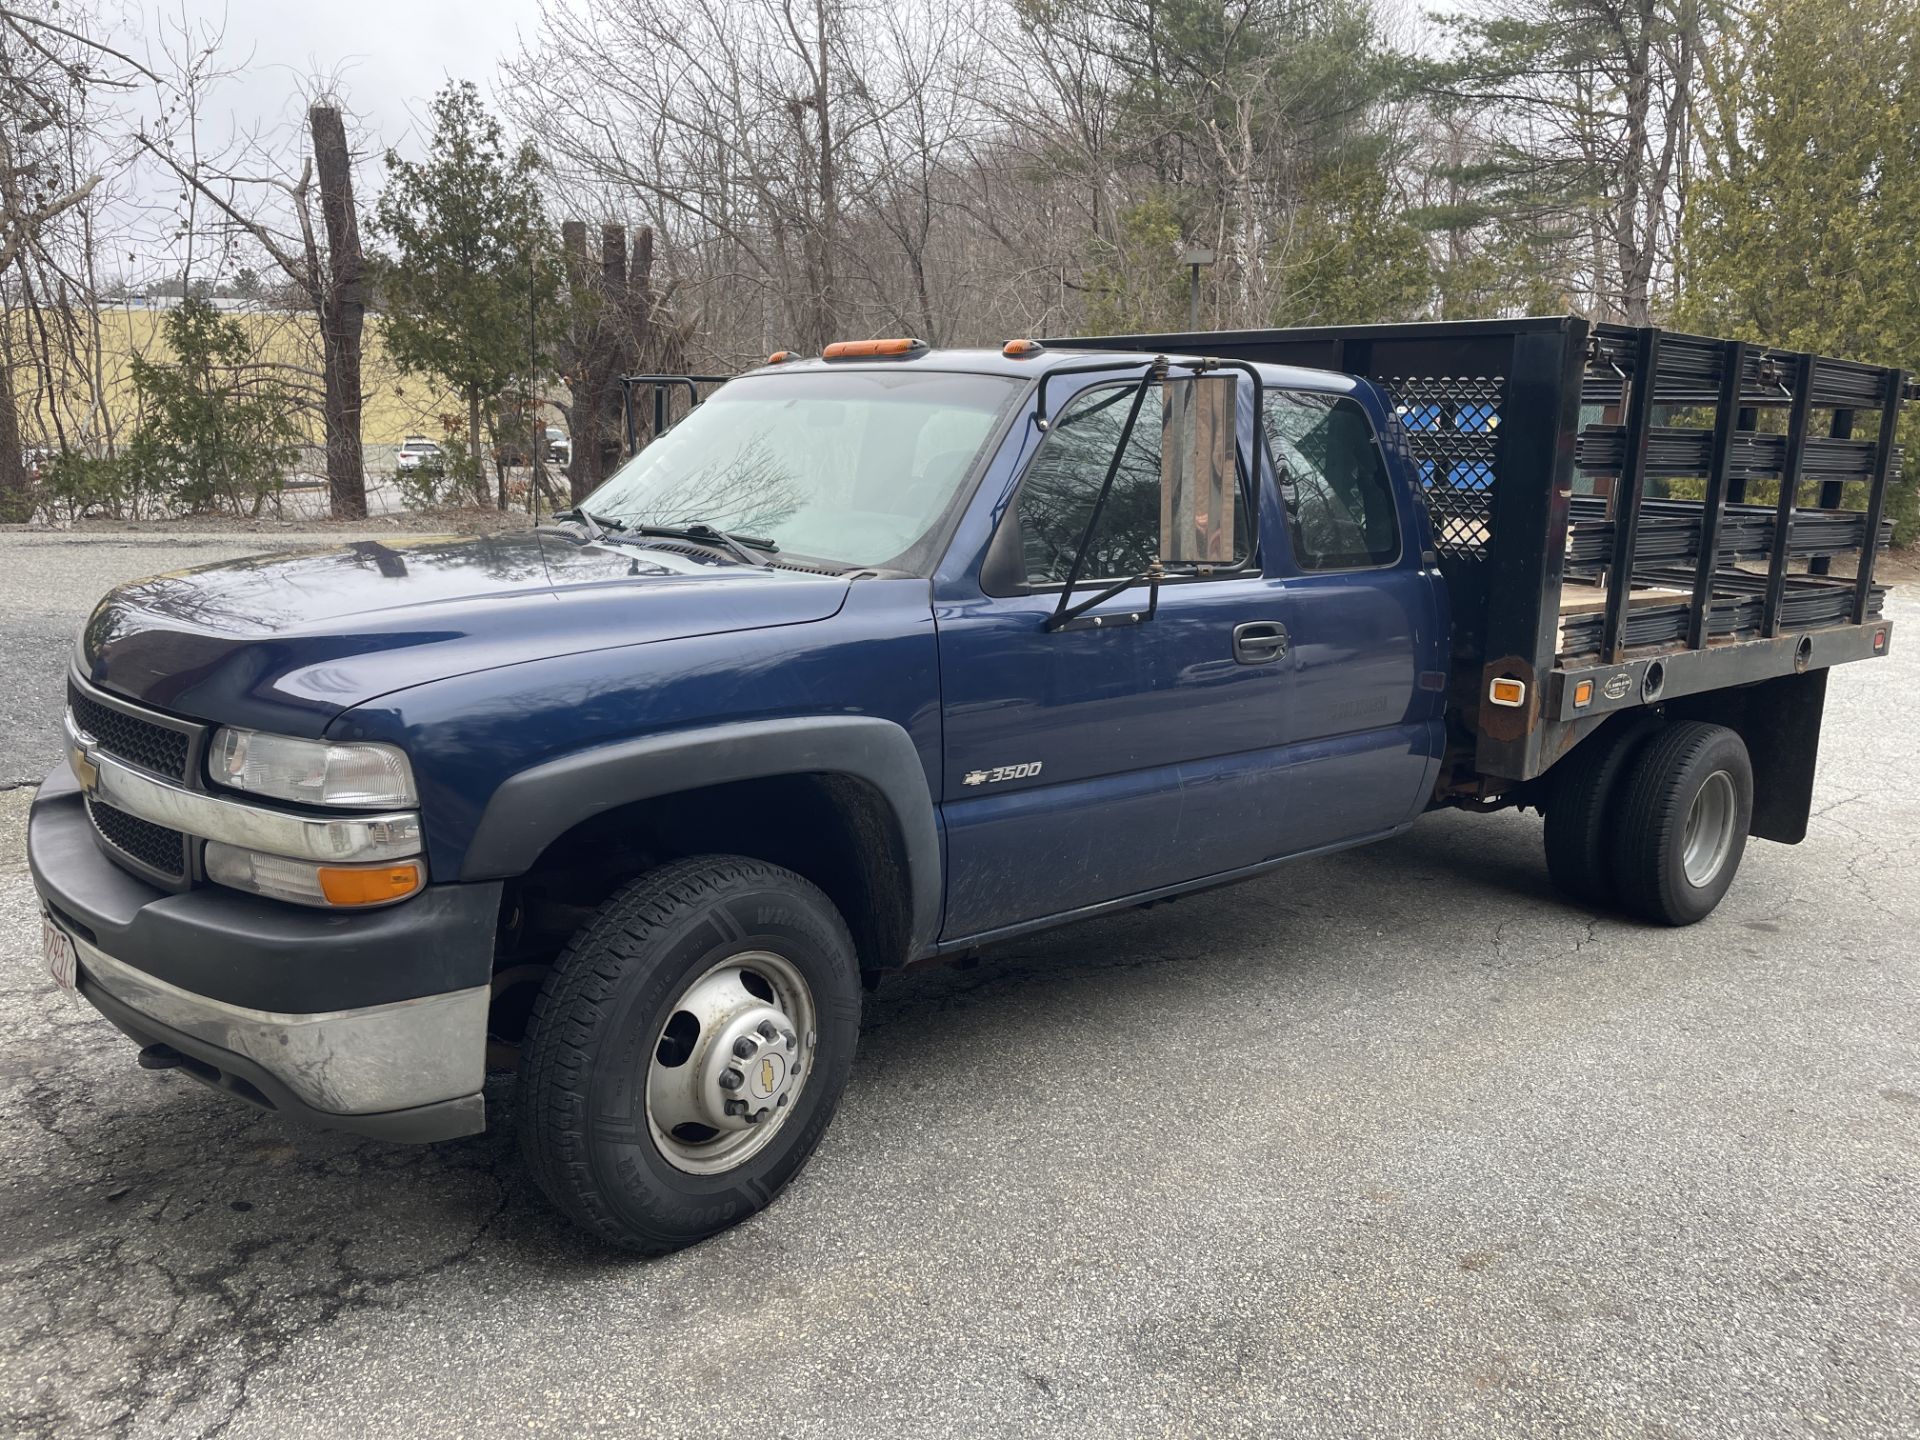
x,y
306,883
310,772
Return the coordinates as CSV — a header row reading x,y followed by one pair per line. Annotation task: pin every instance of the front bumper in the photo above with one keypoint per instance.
x,y
373,1022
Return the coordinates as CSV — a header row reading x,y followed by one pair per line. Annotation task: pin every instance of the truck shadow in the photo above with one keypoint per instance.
x,y
168,1189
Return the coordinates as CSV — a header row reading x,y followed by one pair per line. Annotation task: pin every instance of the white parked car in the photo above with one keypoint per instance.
x,y
559,446
417,450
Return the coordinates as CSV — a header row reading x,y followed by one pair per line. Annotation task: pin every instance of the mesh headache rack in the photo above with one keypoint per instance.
x,y
1621,514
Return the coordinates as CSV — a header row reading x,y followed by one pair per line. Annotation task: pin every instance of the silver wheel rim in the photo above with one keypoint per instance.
x,y
727,1067
1709,832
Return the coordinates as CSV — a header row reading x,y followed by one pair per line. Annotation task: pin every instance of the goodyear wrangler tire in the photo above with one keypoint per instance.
x,y
688,1050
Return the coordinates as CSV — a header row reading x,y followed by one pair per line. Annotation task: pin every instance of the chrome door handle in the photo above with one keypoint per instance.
x,y
1258,641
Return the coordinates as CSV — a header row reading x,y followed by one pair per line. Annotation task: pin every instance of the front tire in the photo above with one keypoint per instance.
x,y
688,1050
1681,823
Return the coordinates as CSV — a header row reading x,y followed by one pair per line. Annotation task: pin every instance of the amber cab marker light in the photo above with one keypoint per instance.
x,y
1511,693
368,884
1582,694
871,349
780,357
1021,349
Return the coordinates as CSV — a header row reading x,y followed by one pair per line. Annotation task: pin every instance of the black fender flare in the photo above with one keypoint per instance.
x,y
532,809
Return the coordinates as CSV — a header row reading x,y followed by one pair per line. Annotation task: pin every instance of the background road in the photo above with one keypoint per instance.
x,y
1393,1143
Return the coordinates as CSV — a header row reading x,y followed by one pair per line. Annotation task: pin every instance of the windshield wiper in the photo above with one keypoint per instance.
x,y
596,526
750,548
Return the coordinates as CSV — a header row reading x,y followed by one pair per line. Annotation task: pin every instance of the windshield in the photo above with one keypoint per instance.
x,y
853,467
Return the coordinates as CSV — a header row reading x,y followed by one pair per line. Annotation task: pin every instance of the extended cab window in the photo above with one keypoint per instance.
x,y
1062,484
1333,481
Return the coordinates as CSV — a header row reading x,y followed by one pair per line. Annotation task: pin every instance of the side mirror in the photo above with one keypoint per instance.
x,y
1198,484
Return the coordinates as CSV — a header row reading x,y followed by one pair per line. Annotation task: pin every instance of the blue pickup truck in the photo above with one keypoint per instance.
x,y
879,656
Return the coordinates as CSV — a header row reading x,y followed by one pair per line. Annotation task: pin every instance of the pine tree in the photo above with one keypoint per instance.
x,y
1801,232
470,261
215,427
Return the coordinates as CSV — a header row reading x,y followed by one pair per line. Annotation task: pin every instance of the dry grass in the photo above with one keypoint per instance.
x,y
396,405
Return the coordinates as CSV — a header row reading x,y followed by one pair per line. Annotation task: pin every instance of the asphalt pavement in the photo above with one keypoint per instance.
x,y
1394,1143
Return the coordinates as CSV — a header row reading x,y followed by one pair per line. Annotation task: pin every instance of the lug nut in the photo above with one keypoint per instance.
x,y
744,1047
736,1107
754,1117
768,1029
790,1038
732,1080
783,1098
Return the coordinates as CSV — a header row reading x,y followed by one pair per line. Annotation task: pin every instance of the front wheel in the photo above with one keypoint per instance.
x,y
688,1050
1680,826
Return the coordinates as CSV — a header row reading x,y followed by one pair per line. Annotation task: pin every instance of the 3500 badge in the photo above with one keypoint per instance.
x,y
1002,772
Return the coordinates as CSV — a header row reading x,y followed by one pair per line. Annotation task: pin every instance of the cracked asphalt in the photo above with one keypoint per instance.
x,y
1392,1143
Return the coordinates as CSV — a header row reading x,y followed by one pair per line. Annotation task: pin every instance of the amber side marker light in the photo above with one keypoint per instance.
x,y
368,884
872,349
1511,693
1022,349
1582,694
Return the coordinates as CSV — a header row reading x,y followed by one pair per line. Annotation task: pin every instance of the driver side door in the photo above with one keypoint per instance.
x,y
1105,760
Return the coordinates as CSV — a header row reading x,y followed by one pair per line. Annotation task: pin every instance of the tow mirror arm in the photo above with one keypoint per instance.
x,y
1066,614
1069,615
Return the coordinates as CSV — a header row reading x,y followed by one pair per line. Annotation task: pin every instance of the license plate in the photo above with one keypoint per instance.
x,y
62,962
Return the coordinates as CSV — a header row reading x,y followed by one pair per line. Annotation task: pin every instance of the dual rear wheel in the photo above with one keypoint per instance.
x,y
1651,817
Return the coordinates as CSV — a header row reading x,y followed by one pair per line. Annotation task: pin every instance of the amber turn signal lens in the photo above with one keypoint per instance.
x,y
1507,692
868,349
1582,694
368,885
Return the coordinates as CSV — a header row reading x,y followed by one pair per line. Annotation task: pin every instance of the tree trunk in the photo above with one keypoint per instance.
x,y
343,312
605,342
828,309
1634,272
16,498
474,454
593,347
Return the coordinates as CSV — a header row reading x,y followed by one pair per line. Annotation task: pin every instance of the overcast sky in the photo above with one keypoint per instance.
x,y
391,55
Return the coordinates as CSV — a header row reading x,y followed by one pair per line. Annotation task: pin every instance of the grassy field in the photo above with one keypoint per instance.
x,y
396,405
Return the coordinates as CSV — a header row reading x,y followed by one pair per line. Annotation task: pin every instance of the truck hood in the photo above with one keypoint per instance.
x,y
291,640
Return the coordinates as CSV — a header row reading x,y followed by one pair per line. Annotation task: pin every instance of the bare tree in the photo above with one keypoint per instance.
x,y
733,123
51,65
305,222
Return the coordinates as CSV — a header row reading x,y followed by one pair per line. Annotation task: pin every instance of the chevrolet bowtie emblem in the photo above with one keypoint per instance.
x,y
766,1076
